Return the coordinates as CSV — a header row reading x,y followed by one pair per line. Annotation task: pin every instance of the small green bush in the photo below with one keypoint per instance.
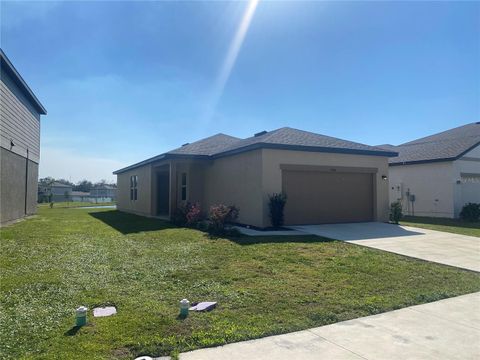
x,y
395,212
470,212
276,204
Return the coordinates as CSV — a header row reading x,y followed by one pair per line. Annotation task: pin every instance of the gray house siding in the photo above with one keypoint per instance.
x,y
14,183
19,124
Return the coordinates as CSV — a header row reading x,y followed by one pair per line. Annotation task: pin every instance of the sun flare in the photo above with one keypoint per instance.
x,y
232,56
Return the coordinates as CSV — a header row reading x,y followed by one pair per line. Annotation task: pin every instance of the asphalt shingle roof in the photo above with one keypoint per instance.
x,y
208,146
283,138
447,145
298,138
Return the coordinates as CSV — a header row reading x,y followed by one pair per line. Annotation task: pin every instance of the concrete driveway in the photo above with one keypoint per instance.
x,y
441,247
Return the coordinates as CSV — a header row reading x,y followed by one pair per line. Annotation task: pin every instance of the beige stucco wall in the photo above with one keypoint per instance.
x,y
143,204
244,180
236,180
195,171
147,186
272,175
466,191
431,183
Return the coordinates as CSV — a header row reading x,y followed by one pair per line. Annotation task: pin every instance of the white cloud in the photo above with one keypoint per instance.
x,y
59,163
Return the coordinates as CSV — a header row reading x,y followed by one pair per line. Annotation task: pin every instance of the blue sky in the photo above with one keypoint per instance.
x,y
123,81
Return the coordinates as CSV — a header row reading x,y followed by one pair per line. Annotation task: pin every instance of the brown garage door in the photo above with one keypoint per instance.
x,y
315,197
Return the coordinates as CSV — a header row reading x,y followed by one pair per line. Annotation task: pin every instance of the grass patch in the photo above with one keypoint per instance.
x,y
63,258
455,226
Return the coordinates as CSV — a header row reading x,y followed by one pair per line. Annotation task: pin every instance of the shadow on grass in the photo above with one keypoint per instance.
x,y
284,239
441,221
73,331
130,223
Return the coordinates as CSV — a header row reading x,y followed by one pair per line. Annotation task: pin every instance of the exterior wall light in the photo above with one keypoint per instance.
x,y
384,177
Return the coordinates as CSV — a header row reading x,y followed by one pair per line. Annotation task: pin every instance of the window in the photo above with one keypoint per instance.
x,y
184,186
133,187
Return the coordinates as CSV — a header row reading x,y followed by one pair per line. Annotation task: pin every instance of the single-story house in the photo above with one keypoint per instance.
x,y
55,191
326,180
20,112
104,192
438,174
80,196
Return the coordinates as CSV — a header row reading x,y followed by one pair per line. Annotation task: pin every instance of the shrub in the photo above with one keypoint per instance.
x,y
203,225
276,204
219,215
193,214
180,216
395,212
470,212
188,214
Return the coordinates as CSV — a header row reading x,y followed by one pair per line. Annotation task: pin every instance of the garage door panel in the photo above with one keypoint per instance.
x,y
327,197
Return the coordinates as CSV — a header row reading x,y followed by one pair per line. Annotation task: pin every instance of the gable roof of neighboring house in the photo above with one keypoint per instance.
x,y
17,78
80,193
59,184
284,138
104,187
445,146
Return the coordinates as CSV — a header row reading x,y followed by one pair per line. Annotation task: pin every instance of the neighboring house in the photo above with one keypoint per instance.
x,y
327,180
55,192
20,113
104,192
438,174
80,196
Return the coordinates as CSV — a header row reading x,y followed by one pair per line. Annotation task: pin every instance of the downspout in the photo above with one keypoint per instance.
x,y
26,182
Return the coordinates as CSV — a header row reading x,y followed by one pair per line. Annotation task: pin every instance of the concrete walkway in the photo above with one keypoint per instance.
x,y
437,246
447,329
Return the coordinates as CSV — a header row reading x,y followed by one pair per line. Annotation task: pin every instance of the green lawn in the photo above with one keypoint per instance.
x,y
63,258
455,226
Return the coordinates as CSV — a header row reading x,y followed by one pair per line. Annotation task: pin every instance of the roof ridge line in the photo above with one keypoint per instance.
x,y
433,141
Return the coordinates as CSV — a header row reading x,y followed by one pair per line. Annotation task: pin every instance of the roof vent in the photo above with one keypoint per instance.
x,y
185,144
260,133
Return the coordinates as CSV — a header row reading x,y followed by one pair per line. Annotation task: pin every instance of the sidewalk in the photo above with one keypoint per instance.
x,y
446,329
